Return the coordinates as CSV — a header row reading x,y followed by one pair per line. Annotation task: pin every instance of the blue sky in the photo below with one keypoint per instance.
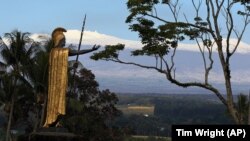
x,y
104,16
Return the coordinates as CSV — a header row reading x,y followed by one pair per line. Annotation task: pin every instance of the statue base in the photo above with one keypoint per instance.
x,y
53,134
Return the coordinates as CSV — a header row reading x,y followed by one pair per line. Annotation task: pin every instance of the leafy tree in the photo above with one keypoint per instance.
x,y
212,28
89,113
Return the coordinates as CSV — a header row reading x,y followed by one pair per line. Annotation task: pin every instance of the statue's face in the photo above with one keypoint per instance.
x,y
63,43
59,40
58,37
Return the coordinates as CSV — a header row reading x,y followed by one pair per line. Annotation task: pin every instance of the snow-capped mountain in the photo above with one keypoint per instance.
x,y
124,78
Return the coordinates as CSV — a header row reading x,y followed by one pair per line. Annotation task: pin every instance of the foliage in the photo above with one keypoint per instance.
x,y
198,111
2,134
109,52
243,1
89,113
38,71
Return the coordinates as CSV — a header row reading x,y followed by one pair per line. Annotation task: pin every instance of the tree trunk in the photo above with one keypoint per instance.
x,y
226,71
231,107
11,111
10,117
43,112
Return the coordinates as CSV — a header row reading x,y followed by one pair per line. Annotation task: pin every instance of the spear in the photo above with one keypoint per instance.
x,y
77,56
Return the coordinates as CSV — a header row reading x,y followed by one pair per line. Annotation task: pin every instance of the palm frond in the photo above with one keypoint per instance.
x,y
3,66
26,37
2,44
33,49
8,56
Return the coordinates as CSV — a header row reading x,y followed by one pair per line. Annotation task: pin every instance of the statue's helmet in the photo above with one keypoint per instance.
x,y
58,37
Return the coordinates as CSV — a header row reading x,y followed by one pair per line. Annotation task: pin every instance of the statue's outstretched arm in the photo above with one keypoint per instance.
x,y
75,52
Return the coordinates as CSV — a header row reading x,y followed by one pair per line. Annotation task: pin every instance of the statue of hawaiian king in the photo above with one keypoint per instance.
x,y
58,67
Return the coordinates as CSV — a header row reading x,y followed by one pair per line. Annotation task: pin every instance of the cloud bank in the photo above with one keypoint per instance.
x,y
121,77
91,38
94,37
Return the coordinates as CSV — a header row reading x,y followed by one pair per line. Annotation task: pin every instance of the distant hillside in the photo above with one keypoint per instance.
x,y
169,109
143,98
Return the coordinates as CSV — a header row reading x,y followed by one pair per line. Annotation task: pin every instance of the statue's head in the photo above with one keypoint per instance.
x,y
58,37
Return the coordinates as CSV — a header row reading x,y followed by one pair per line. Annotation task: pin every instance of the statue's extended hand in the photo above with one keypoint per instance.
x,y
96,47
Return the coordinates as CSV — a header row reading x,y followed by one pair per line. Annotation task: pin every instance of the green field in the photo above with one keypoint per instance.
x,y
137,110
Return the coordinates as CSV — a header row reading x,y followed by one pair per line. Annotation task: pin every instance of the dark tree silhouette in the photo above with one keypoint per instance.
x,y
89,112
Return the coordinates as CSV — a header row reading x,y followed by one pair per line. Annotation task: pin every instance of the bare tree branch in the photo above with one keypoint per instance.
x,y
197,84
246,22
134,64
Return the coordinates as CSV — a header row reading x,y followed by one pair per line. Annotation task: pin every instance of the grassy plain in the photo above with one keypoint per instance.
x,y
136,109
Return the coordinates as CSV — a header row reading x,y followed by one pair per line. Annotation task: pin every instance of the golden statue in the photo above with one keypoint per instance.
x,y
57,85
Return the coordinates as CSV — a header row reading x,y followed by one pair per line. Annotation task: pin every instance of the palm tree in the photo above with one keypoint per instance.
x,y
38,71
38,76
6,86
17,56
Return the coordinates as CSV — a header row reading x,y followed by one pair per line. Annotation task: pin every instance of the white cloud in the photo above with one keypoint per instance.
x,y
39,36
93,37
242,49
194,74
6,41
